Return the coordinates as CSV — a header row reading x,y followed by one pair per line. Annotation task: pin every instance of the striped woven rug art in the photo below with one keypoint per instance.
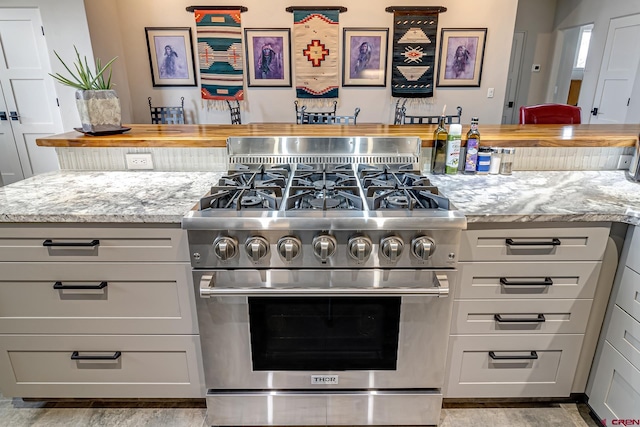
x,y
220,56
414,50
316,34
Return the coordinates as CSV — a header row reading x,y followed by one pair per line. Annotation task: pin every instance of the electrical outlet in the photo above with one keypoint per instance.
x,y
624,161
139,161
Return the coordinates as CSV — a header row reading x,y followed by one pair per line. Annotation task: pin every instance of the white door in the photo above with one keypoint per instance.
x,y
510,110
617,74
29,94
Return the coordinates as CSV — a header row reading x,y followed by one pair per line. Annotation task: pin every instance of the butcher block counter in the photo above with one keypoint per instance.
x,y
143,135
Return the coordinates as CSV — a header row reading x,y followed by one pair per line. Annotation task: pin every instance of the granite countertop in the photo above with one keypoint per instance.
x,y
165,197
119,197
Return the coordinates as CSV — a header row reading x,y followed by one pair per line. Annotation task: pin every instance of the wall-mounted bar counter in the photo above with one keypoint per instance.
x,y
144,135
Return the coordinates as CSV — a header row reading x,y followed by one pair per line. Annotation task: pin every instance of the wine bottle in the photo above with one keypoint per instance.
x,y
439,150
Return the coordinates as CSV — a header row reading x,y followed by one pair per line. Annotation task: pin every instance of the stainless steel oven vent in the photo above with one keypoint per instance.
x,y
330,150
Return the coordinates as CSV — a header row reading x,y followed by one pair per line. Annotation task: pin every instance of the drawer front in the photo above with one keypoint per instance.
x,y
530,316
633,257
127,298
624,335
616,387
494,280
534,244
629,293
146,366
472,372
93,244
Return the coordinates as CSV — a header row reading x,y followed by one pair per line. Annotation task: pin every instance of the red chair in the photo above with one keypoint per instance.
x,y
549,114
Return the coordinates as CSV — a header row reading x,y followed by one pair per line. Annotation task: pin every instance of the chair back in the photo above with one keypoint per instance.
x,y
549,114
167,115
234,110
301,110
433,120
327,119
398,117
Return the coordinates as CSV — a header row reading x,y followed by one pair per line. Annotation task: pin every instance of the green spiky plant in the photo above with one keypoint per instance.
x,y
84,78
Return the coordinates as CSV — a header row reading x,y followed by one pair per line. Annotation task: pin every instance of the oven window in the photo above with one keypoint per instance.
x,y
324,334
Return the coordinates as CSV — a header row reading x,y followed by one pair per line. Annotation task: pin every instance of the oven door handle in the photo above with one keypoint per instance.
x,y
208,290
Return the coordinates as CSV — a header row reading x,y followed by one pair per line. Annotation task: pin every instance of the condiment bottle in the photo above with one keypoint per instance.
x,y
506,164
454,141
473,143
484,160
440,147
496,157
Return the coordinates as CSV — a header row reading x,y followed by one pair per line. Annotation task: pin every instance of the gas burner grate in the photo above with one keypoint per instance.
x,y
415,198
233,198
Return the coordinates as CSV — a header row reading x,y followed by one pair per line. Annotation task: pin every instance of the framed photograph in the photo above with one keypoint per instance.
x,y
364,56
461,55
268,56
170,56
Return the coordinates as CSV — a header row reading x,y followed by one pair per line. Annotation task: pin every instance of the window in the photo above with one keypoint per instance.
x,y
583,46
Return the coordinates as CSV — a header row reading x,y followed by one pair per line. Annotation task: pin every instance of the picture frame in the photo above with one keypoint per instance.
x,y
364,56
268,52
461,57
171,56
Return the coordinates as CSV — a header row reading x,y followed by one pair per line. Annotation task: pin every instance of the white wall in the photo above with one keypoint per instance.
x,y
535,18
276,104
573,13
65,24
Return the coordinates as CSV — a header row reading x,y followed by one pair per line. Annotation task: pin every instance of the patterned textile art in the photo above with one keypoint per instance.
x,y
414,52
220,56
315,36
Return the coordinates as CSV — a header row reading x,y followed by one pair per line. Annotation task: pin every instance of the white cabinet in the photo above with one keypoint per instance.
x,y
521,308
614,382
99,312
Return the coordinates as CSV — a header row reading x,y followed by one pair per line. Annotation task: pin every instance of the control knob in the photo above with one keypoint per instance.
x,y
289,248
391,247
423,247
257,247
324,246
225,248
359,247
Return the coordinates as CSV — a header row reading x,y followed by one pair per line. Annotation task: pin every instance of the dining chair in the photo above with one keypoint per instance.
x,y
431,120
300,110
398,117
548,114
167,115
234,110
328,119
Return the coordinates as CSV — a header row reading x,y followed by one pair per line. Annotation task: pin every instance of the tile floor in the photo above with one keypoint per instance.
x,y
19,413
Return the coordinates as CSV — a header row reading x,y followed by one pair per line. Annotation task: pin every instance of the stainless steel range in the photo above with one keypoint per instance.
x,y
322,268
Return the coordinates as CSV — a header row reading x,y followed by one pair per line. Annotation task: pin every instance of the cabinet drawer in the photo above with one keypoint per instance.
x,y
616,387
624,335
472,372
633,257
629,293
530,316
534,244
92,244
147,366
527,279
134,298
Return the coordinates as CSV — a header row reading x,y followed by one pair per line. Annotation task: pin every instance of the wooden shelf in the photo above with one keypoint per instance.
x,y
143,135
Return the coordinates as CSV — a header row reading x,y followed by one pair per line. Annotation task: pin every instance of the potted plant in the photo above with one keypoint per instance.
x,y
97,102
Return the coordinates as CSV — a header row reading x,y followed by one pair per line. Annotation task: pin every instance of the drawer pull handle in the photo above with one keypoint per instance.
x,y
532,356
506,282
553,242
115,356
93,243
499,318
59,285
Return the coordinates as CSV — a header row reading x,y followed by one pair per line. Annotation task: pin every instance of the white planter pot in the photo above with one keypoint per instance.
x,y
99,110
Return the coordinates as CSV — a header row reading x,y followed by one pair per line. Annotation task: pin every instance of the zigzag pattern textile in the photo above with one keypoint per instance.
x,y
414,51
316,55
220,56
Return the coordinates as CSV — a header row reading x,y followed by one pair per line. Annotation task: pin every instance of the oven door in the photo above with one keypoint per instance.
x,y
315,329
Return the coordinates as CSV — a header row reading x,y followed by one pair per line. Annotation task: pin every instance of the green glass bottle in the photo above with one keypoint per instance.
x,y
439,150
